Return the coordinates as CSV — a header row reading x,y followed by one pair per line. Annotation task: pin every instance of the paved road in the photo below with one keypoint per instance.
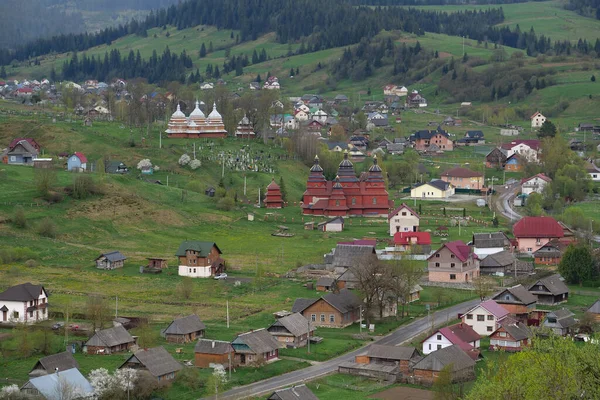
x,y
502,201
400,335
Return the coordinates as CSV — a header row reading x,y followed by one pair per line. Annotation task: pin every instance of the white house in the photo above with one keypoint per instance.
x,y
403,219
26,303
485,244
320,116
435,189
534,184
333,225
303,107
593,172
527,149
485,318
459,334
537,120
301,115
207,86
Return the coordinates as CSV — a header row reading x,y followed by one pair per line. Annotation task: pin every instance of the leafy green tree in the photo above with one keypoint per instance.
x,y
20,218
533,207
548,129
443,389
577,264
282,188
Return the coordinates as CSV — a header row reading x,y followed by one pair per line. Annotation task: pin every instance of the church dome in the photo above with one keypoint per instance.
x,y
346,162
178,113
214,114
375,167
197,113
316,167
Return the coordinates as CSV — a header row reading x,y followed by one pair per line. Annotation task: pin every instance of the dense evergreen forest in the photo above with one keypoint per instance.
x,y
588,8
431,2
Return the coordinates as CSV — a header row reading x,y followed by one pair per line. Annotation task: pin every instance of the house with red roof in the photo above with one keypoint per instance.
x,y
463,178
403,219
485,317
528,149
77,162
24,92
459,334
454,262
534,184
413,242
532,233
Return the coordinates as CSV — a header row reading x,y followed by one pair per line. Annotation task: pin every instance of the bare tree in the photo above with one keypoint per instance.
x,y
186,287
97,310
66,391
406,274
484,286
372,280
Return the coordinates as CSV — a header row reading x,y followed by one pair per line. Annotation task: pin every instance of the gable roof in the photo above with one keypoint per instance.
x,y
458,333
23,147
489,240
541,175
110,337
439,184
461,173
185,325
298,392
519,292
31,141
156,360
538,227
302,304
63,361
113,256
334,220
403,206
594,308
259,341
534,144
392,352
553,283
474,134
81,157
564,318
344,301
493,308
201,247
518,331
295,323
404,238
437,360
459,249
349,255
208,346
497,260
22,292
49,385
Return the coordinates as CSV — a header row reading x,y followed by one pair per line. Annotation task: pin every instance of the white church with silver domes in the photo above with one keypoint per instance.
x,y
197,124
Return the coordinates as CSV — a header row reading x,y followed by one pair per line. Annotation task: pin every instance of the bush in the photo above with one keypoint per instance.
x,y
195,186
226,204
31,263
47,228
83,186
190,378
15,254
53,197
20,219
195,164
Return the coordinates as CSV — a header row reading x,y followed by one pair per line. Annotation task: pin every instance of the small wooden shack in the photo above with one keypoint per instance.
x,y
111,260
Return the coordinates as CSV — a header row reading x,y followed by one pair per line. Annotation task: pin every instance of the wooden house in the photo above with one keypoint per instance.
x,y
514,163
292,330
210,352
21,151
335,224
333,310
55,362
77,162
517,300
502,262
427,370
325,284
496,158
157,361
185,330
401,356
511,337
298,392
157,263
51,386
199,259
594,310
109,341
550,290
561,322
550,253
111,260
255,347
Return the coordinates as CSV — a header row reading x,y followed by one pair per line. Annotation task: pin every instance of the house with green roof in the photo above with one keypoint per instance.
x,y
199,259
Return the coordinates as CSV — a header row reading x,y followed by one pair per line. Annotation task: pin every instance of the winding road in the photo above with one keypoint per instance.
x,y
399,336
502,201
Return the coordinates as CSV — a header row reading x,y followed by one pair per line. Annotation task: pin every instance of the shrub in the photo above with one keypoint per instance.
x,y
20,219
195,186
31,263
83,186
184,160
47,228
195,164
226,204
53,197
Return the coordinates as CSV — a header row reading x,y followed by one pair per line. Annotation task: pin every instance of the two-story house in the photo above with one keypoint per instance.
x,y
485,317
403,219
454,262
463,178
425,138
292,330
550,290
200,259
528,149
333,310
534,232
460,334
537,120
516,300
511,337
25,303
534,184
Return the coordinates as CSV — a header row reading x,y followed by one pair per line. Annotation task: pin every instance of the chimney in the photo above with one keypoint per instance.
x,y
213,344
56,370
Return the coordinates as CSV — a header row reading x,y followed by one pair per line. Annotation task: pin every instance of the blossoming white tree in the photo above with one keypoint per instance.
x,y
184,160
195,164
121,380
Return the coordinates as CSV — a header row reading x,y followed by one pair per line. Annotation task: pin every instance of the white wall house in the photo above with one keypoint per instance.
x,y
195,272
537,120
535,184
455,334
320,116
301,116
485,318
25,303
403,219
525,151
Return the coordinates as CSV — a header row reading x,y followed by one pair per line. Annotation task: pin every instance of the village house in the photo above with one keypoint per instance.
x,y
534,184
255,347
335,224
550,290
297,392
414,99
185,330
21,151
534,232
593,171
394,90
157,263
157,361
24,303
454,262
55,362
496,158
594,311
561,322
458,334
111,260
333,310
402,357
423,139
550,253
498,263
471,138
325,284
346,255
428,369
537,120
511,337
485,317
209,353
528,149
517,301
434,189
115,167
463,178
77,162
514,163
109,341
403,219
47,386
485,244
292,330
412,242
273,198
200,259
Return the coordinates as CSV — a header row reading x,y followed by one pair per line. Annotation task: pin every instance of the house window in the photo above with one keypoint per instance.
x,y
194,270
469,316
322,317
337,203
30,314
15,314
540,287
353,200
490,317
537,241
437,264
404,213
451,255
507,297
452,277
429,346
490,329
439,337
374,200
437,255
439,346
480,318
313,317
13,158
452,265
331,318
529,249
502,334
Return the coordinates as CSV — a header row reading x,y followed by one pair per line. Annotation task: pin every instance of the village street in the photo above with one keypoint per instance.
x,y
399,336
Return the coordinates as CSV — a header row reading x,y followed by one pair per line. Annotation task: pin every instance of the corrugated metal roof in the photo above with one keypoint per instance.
x,y
201,247
49,385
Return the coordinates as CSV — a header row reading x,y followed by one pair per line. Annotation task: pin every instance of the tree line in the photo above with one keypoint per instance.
x,y
587,8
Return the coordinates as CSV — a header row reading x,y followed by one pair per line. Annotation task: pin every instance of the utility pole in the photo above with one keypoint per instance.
x,y
116,306
244,184
463,45
223,166
227,314
258,197
308,335
194,150
360,320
